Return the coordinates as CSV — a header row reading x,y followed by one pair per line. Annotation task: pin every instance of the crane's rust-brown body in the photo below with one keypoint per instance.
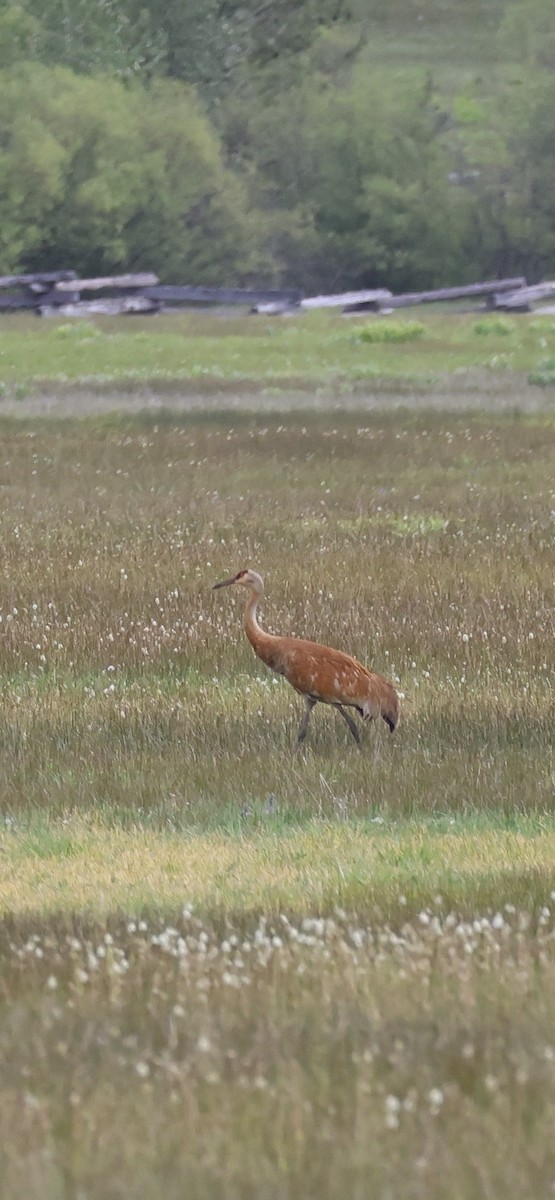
x,y
320,673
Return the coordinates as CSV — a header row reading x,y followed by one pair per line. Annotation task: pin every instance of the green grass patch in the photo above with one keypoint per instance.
x,y
544,374
80,330
191,353
263,865
495,327
392,331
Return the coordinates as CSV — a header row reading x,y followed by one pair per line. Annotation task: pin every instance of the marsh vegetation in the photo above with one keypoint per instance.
x,y
421,544
282,1058
225,971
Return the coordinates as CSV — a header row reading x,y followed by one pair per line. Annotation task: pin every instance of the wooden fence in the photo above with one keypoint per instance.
x,y
63,292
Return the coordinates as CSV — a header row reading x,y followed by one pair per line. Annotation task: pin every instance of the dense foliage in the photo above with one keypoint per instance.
x,y
325,143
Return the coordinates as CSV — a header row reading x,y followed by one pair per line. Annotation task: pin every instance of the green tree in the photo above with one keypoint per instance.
x,y
112,36
198,41
354,182
100,176
527,34
491,146
19,32
282,27
193,221
530,198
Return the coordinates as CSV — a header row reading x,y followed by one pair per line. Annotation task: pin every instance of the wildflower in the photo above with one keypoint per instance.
x,y
392,1109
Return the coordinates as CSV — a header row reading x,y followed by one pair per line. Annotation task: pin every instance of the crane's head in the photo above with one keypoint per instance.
x,y
248,579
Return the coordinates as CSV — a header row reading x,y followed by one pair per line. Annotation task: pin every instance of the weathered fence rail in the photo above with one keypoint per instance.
x,y
492,287
524,298
39,282
168,293
102,283
371,300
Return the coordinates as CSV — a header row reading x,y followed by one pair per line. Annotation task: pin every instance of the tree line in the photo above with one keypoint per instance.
x,y
277,141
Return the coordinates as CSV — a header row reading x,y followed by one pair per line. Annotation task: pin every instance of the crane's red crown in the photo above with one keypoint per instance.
x,y
248,577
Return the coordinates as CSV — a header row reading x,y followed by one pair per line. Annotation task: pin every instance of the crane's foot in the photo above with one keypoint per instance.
x,y
300,743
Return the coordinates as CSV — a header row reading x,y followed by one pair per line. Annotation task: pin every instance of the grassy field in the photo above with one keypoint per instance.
x,y
199,358
421,544
228,970
479,48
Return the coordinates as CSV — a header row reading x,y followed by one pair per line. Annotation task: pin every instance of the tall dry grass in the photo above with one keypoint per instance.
x,y
288,1059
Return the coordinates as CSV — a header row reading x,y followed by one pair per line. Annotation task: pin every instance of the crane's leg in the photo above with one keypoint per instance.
x,y
309,705
350,723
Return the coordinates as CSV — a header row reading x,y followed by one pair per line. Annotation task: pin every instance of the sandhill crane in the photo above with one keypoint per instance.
x,y
319,673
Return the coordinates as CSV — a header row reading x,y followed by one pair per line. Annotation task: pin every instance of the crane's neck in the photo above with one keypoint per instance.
x,y
258,638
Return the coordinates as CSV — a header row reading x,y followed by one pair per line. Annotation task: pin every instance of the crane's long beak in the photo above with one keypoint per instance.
x,y
224,583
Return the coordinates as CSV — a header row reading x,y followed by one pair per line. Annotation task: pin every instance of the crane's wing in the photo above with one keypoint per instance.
x,y
331,677
320,671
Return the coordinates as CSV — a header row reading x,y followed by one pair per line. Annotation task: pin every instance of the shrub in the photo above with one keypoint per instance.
x,y
544,374
78,329
392,331
494,326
